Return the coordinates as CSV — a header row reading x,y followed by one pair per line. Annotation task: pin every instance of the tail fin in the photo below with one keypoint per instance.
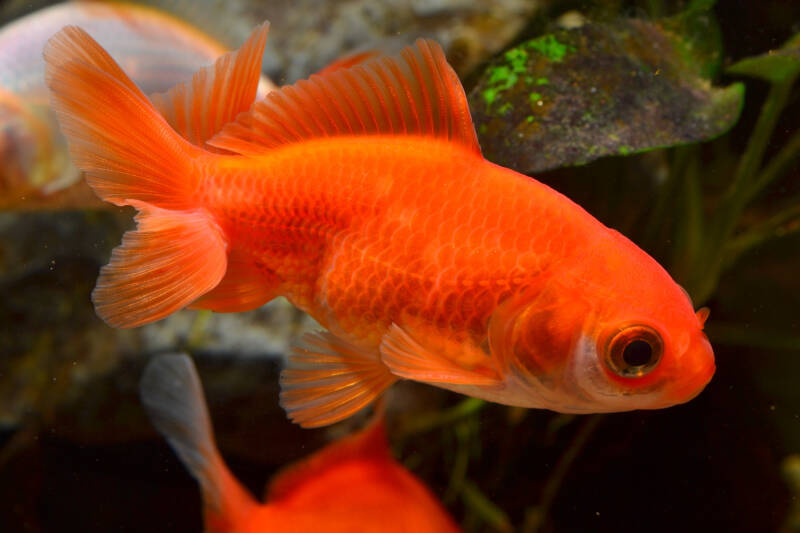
x,y
132,157
172,395
114,133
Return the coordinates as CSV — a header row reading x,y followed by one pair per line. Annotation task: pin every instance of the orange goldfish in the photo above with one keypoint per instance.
x,y
158,50
362,196
352,485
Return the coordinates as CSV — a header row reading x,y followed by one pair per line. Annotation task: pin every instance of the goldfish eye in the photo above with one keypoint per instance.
x,y
634,351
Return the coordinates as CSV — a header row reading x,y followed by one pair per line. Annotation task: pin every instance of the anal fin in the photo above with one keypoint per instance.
x,y
328,379
409,359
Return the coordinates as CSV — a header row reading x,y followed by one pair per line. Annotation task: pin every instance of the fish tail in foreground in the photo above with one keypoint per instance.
x,y
172,395
132,154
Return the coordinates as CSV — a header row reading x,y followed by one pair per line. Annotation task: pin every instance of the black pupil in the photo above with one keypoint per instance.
x,y
637,353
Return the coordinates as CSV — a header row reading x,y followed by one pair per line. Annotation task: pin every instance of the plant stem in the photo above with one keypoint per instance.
x,y
768,229
536,520
665,203
759,140
489,512
776,167
458,474
689,231
743,188
432,420
197,331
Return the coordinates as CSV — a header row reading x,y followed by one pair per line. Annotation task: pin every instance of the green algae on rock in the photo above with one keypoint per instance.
x,y
506,74
572,96
550,47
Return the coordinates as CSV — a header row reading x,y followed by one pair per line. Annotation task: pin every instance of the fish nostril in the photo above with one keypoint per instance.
x,y
702,315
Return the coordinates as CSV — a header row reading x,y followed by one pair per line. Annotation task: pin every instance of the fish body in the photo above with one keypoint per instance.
x,y
157,50
351,485
363,197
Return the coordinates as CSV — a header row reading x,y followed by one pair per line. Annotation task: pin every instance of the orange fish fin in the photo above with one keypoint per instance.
x,y
328,379
114,134
349,60
74,44
407,358
172,396
170,259
243,288
132,157
414,93
369,443
198,109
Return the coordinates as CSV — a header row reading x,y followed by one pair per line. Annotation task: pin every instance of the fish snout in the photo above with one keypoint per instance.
x,y
696,369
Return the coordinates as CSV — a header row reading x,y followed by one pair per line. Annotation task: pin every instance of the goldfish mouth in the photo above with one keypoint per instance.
x,y
696,385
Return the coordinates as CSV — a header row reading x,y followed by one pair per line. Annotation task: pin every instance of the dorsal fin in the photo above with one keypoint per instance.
x,y
349,60
369,443
198,109
414,93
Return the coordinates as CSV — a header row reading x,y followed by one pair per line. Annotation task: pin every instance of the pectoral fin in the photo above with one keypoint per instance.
x,y
407,358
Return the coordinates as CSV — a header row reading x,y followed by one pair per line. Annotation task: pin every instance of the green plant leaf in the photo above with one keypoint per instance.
x,y
776,66
572,96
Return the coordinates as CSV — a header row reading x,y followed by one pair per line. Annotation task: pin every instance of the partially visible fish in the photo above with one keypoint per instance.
x,y
156,49
352,485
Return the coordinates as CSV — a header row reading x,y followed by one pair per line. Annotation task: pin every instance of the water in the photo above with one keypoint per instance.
x,y
78,452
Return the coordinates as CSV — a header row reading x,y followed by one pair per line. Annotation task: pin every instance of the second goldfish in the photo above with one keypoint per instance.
x,y
352,485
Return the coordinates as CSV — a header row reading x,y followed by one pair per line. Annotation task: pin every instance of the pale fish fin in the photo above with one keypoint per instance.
x,y
328,379
243,288
172,395
409,359
413,93
170,259
198,109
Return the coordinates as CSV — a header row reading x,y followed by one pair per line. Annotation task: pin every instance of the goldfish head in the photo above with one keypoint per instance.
x,y
612,343
643,362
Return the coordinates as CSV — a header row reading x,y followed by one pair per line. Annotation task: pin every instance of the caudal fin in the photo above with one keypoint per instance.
x,y
131,156
172,395
114,133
